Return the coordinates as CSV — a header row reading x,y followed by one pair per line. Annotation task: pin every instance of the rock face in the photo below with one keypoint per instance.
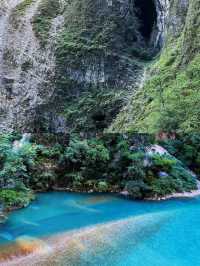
x,y
168,99
72,65
26,70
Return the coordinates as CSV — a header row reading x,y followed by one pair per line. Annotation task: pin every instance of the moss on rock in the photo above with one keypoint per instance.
x,y
169,100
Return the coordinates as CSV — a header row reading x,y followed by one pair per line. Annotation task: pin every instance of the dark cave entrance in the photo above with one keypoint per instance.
x,y
99,119
146,11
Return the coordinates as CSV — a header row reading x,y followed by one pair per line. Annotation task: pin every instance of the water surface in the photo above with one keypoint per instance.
x,y
81,229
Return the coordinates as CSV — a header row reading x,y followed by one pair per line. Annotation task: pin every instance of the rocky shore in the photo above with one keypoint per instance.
x,y
186,194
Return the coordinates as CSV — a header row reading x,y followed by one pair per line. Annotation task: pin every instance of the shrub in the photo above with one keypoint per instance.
x,y
102,186
136,170
99,164
163,162
77,181
187,149
164,185
137,189
12,198
86,156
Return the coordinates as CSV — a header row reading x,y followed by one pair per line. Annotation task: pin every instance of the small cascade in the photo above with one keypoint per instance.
x,y
162,9
156,149
18,144
159,150
142,79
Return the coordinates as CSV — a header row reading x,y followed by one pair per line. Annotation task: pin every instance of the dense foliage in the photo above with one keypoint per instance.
x,y
11,198
102,164
187,149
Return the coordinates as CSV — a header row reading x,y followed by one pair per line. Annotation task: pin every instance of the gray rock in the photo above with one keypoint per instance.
x,y
29,97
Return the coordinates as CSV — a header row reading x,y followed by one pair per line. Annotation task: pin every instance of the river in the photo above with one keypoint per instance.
x,y
102,230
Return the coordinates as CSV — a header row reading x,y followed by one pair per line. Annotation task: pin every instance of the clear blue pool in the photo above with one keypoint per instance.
x,y
132,233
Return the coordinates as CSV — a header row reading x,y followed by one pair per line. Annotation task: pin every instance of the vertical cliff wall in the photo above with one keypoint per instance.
x,y
26,69
169,98
101,54
73,65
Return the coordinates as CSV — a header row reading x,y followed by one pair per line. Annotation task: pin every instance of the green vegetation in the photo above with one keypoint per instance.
x,y
15,164
16,171
84,160
48,10
94,56
169,100
12,199
109,164
93,110
187,149
91,29
103,164
19,11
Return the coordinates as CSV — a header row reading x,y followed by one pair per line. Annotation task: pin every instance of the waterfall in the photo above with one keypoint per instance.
x,y
162,9
18,144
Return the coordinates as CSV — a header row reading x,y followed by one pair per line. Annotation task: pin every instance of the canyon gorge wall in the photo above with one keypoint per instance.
x,y
78,65
169,100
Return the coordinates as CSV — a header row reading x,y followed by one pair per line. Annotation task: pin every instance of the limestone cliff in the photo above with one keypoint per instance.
x,y
72,65
169,99
26,70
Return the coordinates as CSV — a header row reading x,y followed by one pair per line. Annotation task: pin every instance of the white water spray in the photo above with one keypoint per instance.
x,y
19,144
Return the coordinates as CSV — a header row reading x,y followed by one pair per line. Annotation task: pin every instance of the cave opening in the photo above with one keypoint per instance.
x,y
99,119
147,14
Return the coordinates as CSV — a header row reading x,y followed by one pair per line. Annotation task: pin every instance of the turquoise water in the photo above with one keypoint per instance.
x,y
124,232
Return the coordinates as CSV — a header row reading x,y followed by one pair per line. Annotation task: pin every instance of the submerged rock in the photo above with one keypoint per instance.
x,y
3,218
